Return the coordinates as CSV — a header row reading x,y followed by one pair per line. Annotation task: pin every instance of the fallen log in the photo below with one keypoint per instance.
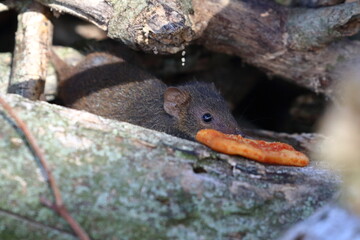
x,y
122,181
298,44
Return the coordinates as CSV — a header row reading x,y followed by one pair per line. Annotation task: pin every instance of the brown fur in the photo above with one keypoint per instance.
x,y
110,87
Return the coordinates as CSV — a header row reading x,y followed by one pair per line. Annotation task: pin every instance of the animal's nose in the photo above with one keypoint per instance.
x,y
230,129
240,132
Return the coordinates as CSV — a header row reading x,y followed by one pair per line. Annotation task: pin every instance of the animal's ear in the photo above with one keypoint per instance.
x,y
174,100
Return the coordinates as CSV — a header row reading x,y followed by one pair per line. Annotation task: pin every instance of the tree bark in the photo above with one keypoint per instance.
x,y
30,59
97,12
299,44
152,26
120,181
294,43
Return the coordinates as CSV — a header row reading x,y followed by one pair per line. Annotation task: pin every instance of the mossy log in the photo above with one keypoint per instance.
x,y
120,181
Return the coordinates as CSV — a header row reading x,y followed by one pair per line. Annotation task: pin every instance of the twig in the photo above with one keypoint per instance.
x,y
59,206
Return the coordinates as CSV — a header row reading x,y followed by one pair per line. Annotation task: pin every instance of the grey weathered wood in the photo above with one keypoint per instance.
x,y
294,43
30,58
299,44
97,12
125,182
155,26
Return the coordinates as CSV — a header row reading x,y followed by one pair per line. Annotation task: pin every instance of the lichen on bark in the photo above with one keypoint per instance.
x,y
121,181
156,26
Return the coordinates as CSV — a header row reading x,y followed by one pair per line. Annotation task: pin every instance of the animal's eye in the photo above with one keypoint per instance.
x,y
207,117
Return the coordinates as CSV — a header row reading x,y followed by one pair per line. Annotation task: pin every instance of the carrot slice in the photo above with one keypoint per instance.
x,y
258,150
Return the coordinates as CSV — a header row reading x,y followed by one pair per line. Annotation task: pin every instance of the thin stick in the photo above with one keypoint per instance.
x,y
59,205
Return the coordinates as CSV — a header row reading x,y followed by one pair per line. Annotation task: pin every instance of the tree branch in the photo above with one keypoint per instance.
x,y
97,12
33,39
293,43
156,26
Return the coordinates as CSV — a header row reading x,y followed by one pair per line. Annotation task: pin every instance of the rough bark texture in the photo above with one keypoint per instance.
x,y
299,44
289,42
155,26
125,182
33,39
